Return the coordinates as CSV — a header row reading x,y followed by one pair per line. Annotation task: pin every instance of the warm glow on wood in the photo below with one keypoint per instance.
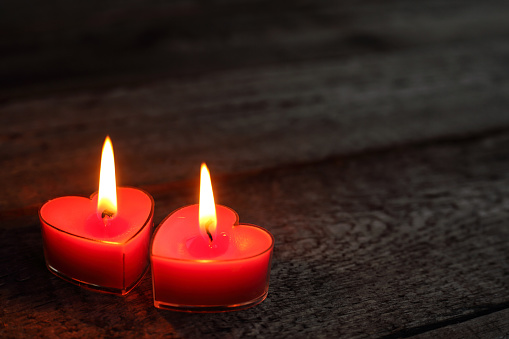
x,y
207,210
107,200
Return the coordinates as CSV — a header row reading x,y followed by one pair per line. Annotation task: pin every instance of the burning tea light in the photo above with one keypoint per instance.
x,y
99,243
203,260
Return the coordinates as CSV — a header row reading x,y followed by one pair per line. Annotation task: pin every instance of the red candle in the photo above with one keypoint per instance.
x,y
203,260
99,243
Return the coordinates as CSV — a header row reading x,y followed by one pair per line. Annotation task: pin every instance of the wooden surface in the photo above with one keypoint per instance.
x,y
371,139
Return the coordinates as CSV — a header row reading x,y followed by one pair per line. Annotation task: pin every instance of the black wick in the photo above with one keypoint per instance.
x,y
210,235
207,229
107,213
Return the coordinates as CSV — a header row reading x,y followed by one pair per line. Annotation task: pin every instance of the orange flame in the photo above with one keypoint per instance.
x,y
207,209
107,199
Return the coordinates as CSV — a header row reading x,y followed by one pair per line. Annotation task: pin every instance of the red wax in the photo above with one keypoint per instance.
x,y
109,255
189,273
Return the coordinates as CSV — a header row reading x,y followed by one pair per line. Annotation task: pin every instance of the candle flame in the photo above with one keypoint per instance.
x,y
207,209
107,199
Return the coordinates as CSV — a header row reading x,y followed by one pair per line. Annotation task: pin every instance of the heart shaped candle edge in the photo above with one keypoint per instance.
x,y
234,225
140,228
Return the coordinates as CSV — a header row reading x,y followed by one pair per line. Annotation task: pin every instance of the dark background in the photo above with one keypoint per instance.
x,y
370,138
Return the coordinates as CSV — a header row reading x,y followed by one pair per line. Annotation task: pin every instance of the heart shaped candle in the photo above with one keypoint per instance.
x,y
99,243
203,260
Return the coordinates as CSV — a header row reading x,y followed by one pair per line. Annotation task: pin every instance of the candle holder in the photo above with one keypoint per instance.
x,y
231,274
81,248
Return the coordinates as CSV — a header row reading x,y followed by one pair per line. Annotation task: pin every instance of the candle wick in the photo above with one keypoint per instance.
x,y
107,213
209,234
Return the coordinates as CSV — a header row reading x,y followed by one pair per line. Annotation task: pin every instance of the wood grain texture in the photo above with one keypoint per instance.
x,y
51,45
369,137
382,244
249,120
490,326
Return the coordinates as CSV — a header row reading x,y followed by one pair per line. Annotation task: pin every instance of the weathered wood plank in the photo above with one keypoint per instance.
x,y
495,325
292,106
51,45
366,246
249,120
